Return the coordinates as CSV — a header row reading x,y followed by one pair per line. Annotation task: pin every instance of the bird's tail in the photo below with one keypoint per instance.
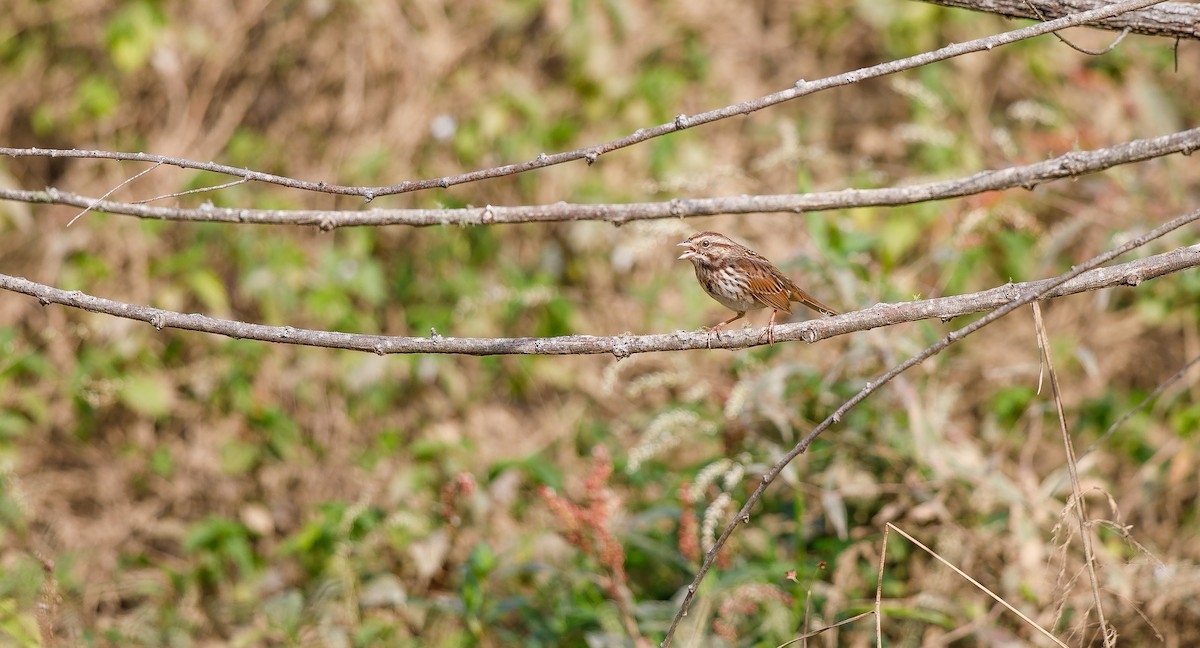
x,y
808,300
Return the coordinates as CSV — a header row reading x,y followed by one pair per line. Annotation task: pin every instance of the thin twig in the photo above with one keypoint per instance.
x,y
805,636
1137,408
943,308
1063,39
1068,165
592,153
807,608
92,205
1085,534
192,191
1045,289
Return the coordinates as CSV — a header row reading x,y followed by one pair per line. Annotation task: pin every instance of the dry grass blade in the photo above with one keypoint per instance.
x,y
50,601
804,637
879,590
979,585
1073,468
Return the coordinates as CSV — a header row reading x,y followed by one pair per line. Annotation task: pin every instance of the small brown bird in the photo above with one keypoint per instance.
x,y
743,280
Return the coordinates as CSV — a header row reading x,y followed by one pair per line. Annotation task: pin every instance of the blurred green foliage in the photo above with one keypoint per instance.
x,y
245,493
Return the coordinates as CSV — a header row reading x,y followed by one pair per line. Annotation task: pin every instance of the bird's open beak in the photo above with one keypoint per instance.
x,y
689,253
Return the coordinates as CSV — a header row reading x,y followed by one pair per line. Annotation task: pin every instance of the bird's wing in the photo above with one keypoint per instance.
x,y
772,288
769,287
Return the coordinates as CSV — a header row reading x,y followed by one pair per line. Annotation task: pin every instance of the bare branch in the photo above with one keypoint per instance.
x,y
1028,176
1036,291
1171,19
592,153
943,308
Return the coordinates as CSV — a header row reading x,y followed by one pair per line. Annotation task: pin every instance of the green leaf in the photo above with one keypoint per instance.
x,y
210,290
148,395
21,629
132,34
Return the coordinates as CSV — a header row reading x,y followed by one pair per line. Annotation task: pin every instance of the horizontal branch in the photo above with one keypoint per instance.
x,y
592,153
943,308
1170,19
1028,176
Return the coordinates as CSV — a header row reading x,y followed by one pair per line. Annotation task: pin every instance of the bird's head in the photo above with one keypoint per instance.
x,y
707,246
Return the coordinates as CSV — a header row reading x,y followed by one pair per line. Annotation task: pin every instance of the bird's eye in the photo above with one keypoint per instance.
x,y
707,243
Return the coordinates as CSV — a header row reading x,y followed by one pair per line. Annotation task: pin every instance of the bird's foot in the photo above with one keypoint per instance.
x,y
712,331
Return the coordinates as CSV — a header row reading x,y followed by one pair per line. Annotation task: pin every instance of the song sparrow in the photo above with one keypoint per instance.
x,y
743,280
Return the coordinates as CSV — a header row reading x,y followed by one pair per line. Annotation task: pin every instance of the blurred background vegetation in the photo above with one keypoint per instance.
x,y
192,490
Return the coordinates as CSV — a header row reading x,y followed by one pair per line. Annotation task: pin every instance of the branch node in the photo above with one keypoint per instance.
x,y
1133,279
809,334
327,224
800,84
591,156
746,519
681,121
488,216
158,322
621,350
368,197
378,349
541,158
1073,163
286,333
43,301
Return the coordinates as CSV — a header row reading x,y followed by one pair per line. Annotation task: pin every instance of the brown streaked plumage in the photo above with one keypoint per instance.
x,y
743,280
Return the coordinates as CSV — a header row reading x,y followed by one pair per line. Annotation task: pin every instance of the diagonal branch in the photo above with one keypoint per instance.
x,y
943,308
1170,19
1068,165
592,153
1043,289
